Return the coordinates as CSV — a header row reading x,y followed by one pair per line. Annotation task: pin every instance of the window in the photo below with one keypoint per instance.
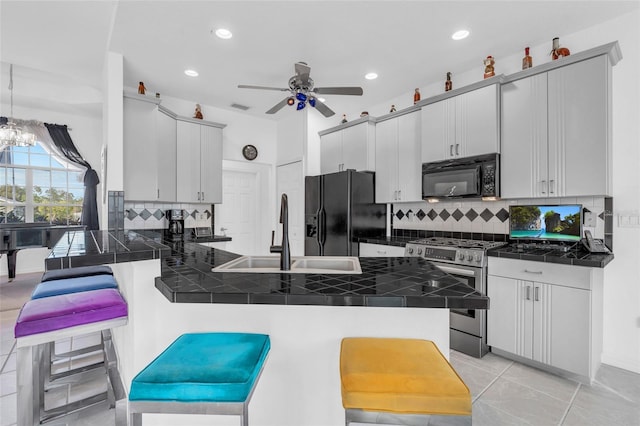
x,y
38,186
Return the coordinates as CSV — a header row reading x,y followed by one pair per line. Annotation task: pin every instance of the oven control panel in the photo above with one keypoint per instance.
x,y
451,255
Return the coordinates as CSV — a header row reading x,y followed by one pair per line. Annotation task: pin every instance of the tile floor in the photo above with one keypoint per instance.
x,y
504,392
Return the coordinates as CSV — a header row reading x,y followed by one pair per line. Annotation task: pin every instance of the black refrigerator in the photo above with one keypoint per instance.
x,y
339,208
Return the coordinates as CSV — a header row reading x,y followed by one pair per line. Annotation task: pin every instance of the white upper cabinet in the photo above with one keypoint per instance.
x,y
351,146
556,132
398,165
149,151
461,126
199,163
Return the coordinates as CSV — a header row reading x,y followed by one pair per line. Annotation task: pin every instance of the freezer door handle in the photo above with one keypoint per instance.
x,y
322,230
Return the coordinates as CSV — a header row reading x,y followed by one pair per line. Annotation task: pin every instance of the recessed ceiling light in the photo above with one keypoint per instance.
x,y
191,73
223,33
459,35
371,76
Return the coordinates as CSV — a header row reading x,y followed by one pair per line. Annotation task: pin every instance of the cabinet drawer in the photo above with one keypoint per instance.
x,y
552,273
380,250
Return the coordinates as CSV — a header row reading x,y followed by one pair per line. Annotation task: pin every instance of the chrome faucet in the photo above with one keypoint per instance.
x,y
283,249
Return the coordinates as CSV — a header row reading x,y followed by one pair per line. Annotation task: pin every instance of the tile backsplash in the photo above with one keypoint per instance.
x,y
149,215
487,217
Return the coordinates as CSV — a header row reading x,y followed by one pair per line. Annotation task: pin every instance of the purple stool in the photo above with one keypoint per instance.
x,y
43,321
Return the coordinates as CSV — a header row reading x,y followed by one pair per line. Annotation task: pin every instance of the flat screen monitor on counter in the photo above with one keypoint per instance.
x,y
545,222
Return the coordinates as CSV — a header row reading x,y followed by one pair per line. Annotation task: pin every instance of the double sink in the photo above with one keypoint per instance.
x,y
299,265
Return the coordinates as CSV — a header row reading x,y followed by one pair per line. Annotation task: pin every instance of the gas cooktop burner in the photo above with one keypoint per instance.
x,y
458,243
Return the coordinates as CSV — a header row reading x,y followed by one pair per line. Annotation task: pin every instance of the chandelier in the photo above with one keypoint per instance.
x,y
10,133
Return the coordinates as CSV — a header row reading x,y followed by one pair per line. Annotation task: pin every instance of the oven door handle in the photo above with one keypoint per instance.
x,y
457,271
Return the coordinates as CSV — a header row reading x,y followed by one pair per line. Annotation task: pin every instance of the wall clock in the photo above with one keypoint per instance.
x,y
249,152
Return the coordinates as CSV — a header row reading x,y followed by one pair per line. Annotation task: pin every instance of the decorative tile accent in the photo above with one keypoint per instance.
x,y
194,213
208,213
503,215
421,215
457,215
601,215
145,214
486,215
399,214
158,214
432,214
471,215
444,214
131,214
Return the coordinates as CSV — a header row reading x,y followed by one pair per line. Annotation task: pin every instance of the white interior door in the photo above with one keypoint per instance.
x,y
238,212
290,181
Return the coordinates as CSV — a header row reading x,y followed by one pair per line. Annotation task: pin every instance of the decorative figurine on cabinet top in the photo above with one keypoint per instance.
x,y
488,67
393,108
416,96
141,88
448,85
527,61
557,51
344,118
198,113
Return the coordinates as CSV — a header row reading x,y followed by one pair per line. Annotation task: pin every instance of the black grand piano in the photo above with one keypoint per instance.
x,y
17,236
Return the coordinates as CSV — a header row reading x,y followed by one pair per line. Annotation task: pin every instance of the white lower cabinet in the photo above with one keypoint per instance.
x,y
547,313
380,250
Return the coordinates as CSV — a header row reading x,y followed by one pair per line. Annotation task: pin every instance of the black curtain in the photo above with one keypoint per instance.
x,y
63,142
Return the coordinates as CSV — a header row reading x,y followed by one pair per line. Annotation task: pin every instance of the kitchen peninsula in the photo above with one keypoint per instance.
x,y
174,291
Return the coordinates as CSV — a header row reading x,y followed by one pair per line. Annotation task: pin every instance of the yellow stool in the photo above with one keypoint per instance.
x,y
401,381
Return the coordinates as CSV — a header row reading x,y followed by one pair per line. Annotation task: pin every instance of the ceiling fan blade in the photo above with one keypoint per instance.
x,y
248,86
277,107
303,70
325,110
357,91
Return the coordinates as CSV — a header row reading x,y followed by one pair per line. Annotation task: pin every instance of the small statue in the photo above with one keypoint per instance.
x,y
393,108
198,113
488,67
416,96
557,51
448,85
344,118
141,88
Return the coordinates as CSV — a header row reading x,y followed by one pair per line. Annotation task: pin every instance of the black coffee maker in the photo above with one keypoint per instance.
x,y
175,231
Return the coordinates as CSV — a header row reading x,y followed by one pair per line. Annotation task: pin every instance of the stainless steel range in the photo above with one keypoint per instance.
x,y
467,261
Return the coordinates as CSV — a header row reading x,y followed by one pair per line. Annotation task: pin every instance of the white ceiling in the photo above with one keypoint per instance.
x,y
62,45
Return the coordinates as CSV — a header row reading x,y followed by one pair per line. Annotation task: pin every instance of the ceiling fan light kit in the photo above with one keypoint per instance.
x,y
301,88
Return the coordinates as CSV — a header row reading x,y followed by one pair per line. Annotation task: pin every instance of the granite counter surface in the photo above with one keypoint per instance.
x,y
576,256
186,275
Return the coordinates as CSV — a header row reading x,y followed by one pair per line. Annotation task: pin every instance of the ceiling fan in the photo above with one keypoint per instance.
x,y
302,90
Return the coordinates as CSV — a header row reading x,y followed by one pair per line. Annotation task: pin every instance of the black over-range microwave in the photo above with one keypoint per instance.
x,y
468,177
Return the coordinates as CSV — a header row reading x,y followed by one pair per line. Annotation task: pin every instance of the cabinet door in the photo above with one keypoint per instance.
x,y
477,118
210,164
380,250
166,157
569,329
438,131
331,152
409,165
387,161
503,317
354,147
523,159
140,150
578,128
188,162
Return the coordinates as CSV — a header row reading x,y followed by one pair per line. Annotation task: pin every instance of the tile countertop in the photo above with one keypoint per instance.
x,y
186,275
576,256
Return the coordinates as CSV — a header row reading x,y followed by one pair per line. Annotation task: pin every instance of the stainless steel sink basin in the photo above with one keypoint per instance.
x,y
299,265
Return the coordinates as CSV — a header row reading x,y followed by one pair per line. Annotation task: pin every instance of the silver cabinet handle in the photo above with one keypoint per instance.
x,y
202,196
544,183
399,195
457,151
395,195
551,185
381,252
528,292
536,292
451,150
533,272
158,193
198,195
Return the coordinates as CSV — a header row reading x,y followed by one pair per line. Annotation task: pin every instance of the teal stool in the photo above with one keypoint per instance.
x,y
201,373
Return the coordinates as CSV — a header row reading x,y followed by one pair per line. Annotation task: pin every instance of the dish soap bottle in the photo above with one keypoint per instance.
x,y
527,61
416,96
